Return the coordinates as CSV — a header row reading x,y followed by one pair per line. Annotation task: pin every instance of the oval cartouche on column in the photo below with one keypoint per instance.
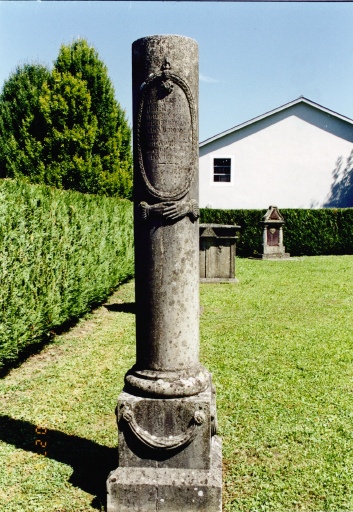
x,y
165,99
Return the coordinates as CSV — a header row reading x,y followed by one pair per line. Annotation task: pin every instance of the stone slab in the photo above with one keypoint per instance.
x,y
275,256
233,280
166,489
217,258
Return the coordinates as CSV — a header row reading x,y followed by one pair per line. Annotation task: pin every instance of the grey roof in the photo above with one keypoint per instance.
x,y
301,99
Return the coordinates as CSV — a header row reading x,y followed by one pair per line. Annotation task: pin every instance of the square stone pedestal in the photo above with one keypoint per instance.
x,y
217,253
171,432
168,458
136,489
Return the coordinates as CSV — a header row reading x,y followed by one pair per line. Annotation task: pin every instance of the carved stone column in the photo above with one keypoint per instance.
x,y
165,94
264,237
169,456
280,237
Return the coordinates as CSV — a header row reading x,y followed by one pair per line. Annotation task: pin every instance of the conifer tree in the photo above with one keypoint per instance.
x,y
71,129
111,148
65,128
22,128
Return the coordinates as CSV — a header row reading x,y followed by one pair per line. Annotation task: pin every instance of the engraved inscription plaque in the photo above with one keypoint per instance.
x,y
166,135
273,236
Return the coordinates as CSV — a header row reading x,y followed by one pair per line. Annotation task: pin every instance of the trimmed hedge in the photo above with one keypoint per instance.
x,y
61,252
306,232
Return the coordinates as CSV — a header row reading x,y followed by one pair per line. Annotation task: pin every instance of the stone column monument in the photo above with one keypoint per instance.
x,y
169,455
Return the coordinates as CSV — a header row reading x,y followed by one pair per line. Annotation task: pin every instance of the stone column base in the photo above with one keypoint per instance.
x,y
168,433
132,489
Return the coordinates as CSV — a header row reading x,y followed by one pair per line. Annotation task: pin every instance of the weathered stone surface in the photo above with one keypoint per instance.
x,y
166,489
165,99
170,433
272,246
217,253
165,89
169,456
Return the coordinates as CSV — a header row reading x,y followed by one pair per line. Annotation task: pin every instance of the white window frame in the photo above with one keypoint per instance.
x,y
222,183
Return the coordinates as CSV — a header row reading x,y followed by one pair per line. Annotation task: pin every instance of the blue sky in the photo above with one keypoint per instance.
x,y
254,57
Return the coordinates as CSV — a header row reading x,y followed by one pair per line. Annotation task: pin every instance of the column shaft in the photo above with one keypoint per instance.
x,y
165,99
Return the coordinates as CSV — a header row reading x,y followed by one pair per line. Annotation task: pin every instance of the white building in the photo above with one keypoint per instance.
x,y
285,157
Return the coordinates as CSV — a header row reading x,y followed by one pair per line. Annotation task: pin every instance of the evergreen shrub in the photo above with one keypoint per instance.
x,y
61,252
307,232
64,128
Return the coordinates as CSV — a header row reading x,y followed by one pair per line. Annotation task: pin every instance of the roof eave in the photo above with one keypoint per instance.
x,y
301,99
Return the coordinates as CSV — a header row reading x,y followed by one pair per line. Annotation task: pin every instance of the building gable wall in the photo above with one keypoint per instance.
x,y
285,159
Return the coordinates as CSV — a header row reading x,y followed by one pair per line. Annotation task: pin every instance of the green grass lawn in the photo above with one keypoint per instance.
x,y
280,347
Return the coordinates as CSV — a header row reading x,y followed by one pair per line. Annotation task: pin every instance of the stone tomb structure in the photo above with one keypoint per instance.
x,y
272,245
217,253
169,454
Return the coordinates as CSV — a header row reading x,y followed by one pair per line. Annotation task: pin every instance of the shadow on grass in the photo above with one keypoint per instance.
x,y
126,307
91,462
37,346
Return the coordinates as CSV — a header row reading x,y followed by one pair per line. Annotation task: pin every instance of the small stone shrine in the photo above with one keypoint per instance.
x,y
217,253
169,454
272,244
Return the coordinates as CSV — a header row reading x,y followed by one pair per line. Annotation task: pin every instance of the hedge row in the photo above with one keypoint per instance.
x,y
306,232
60,253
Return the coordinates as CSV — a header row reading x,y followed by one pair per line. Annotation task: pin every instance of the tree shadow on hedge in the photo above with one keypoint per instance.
x,y
341,193
91,462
